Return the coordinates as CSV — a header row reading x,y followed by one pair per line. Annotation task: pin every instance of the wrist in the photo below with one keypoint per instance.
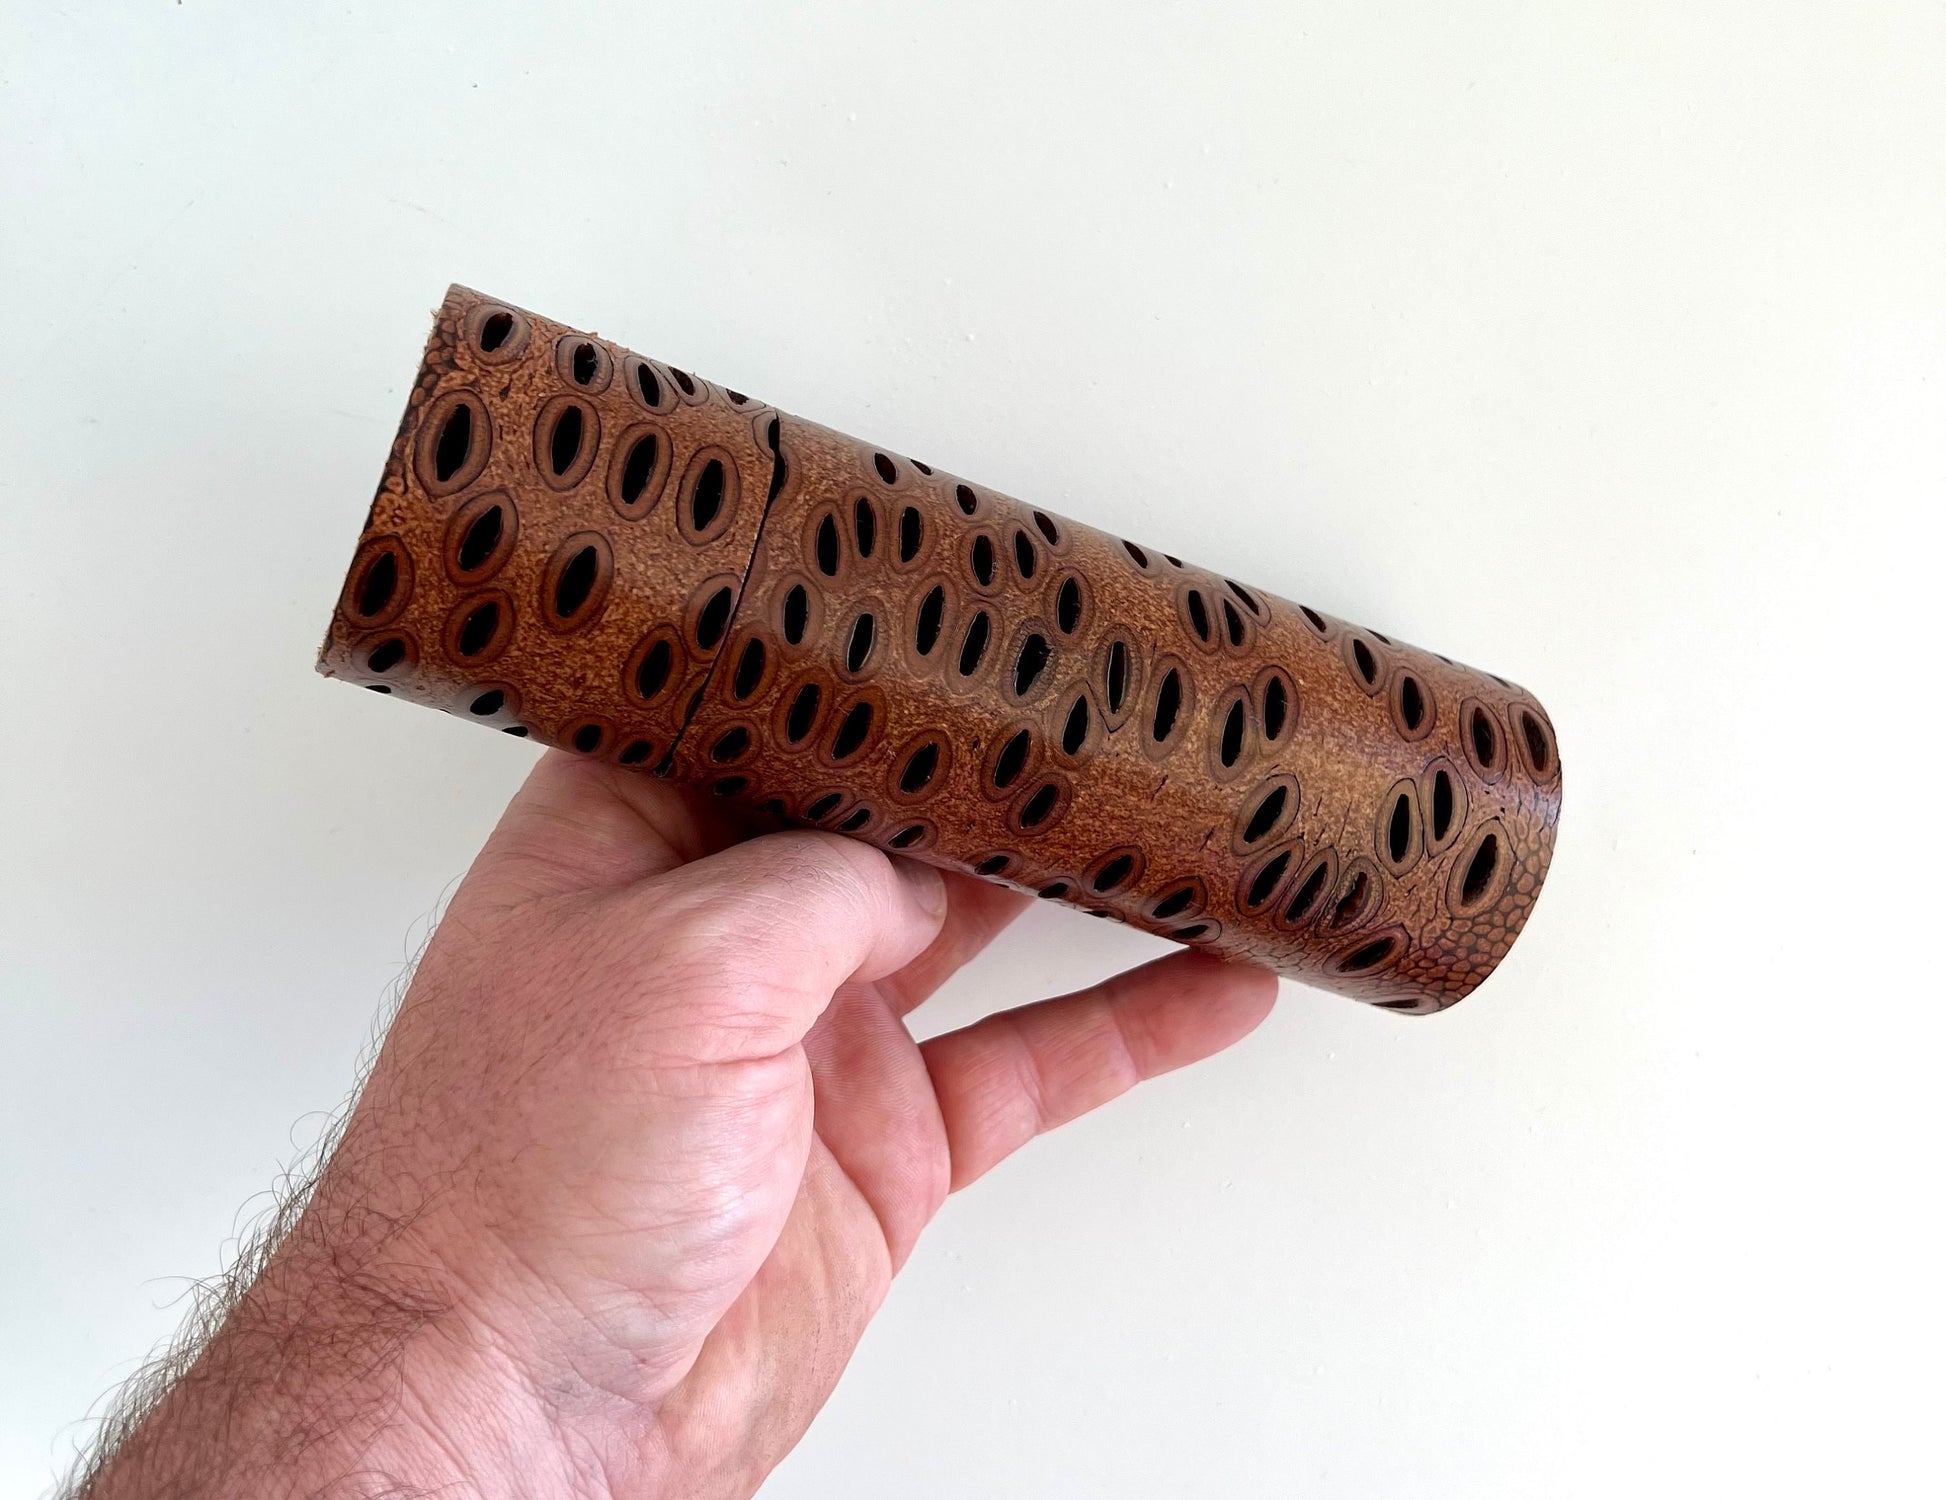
x,y
355,1365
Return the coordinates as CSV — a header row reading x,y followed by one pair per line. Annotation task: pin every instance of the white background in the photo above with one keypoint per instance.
x,y
1601,345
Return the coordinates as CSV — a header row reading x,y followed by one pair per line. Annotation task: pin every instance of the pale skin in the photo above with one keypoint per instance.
x,y
638,1161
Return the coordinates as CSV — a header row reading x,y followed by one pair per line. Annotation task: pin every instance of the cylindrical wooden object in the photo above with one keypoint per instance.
x,y
625,561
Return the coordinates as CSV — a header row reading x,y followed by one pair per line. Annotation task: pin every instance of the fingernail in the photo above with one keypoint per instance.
x,y
927,888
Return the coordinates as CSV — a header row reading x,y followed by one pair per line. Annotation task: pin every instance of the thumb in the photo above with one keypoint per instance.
x,y
751,942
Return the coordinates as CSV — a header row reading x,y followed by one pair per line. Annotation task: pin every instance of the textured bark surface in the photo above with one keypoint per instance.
x,y
618,558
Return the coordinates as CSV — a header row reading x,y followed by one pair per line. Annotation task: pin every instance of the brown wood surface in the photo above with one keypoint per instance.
x,y
623,560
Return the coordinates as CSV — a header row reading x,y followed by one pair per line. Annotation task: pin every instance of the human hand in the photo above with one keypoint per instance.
x,y
638,1160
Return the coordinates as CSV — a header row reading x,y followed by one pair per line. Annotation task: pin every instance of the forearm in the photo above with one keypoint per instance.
x,y
353,1366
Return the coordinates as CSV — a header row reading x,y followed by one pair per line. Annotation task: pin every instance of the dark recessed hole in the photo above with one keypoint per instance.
x,y
576,582
1172,560
496,331
1054,892
635,752
587,739
1308,893
1114,872
584,364
731,786
1370,956
518,731
750,669
1277,702
775,807
1486,738
1026,559
824,807
983,559
1232,623
912,532
1351,901
1168,701
1442,804
852,730
652,676
1315,619
1031,662
1141,558
381,582
650,387
455,442
1231,746
386,656
683,379
864,522
1117,676
1012,760
732,744
1174,904
1412,702
1047,528
827,547
487,704
1538,752
925,469
1067,607
1398,831
1075,734
968,501
715,618
797,614
887,470
1383,636
932,616
737,398
1040,805
778,468
480,539
1265,817
1198,614
637,468
1250,600
1265,884
706,500
993,864
564,446
803,715
858,819
906,837
974,647
919,768
478,631
864,631
1190,933
1367,663
1479,870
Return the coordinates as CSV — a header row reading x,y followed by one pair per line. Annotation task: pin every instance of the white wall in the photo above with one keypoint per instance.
x,y
1602,345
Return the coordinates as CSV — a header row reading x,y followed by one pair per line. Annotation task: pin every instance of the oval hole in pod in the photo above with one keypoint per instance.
x,y
1399,834
802,716
1175,902
749,674
864,526
575,585
651,666
1276,703
480,538
930,621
